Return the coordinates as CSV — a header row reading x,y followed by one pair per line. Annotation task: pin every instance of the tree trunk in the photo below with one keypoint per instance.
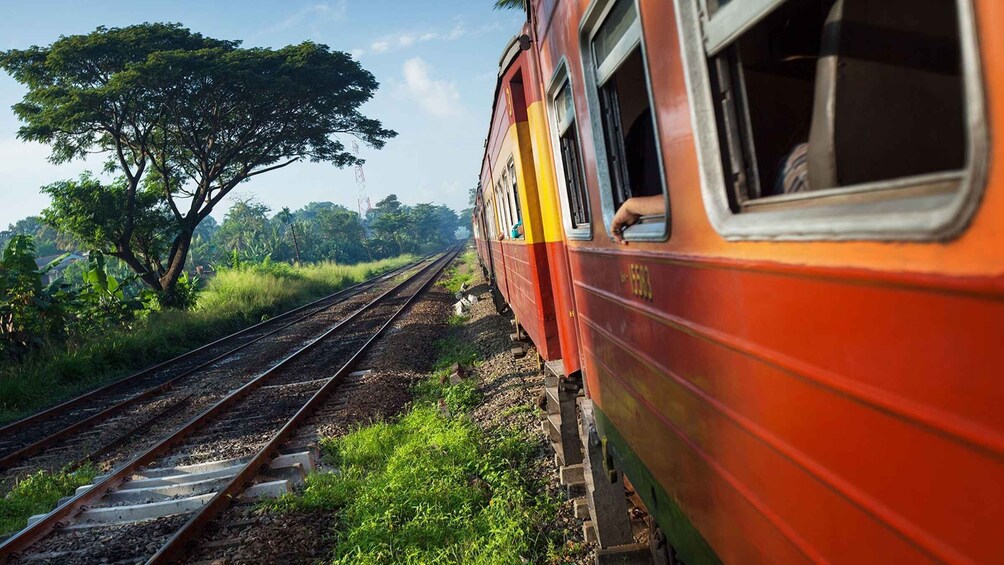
x,y
296,244
124,252
175,267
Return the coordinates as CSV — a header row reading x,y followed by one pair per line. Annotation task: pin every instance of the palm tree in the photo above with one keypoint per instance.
x,y
510,5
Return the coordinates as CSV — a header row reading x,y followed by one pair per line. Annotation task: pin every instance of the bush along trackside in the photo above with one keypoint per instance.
x,y
38,493
59,366
432,486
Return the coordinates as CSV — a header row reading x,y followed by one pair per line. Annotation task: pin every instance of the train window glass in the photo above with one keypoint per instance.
x,y
565,141
618,93
807,116
507,196
503,205
514,190
497,205
514,187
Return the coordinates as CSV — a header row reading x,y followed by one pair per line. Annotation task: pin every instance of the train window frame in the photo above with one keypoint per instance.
x,y
655,228
867,211
514,189
505,214
497,206
560,80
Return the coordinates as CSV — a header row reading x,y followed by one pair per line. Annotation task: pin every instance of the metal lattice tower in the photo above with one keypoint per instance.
x,y
363,200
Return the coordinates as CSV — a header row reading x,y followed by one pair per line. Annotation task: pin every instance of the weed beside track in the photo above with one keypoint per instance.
x,y
38,493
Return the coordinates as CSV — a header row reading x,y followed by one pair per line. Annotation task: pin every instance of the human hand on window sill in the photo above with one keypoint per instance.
x,y
631,211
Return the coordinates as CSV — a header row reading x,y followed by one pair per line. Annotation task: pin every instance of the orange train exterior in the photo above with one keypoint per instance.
x,y
772,399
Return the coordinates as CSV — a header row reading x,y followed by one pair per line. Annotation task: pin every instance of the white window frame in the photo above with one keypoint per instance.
x,y
594,77
504,191
497,206
559,78
904,217
732,20
517,204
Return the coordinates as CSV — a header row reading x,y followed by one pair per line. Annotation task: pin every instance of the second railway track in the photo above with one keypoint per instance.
x,y
93,423
152,506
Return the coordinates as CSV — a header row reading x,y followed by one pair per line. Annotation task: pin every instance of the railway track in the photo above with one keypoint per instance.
x,y
94,423
152,507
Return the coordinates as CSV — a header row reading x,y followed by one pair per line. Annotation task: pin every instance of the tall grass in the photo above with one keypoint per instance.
x,y
233,299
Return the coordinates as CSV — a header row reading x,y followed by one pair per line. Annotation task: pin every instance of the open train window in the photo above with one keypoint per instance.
x,y
836,119
620,101
514,191
499,213
566,145
505,212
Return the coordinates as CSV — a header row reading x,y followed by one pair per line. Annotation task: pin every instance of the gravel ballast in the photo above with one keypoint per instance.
x,y
403,357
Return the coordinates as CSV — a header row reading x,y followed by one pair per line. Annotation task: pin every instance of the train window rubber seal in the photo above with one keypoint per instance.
x,y
886,210
559,79
657,228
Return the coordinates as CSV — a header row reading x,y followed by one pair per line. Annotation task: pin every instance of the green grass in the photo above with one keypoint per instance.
x,y
432,487
232,300
38,494
461,273
429,488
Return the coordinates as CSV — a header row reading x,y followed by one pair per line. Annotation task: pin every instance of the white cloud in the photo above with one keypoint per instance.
x,y
321,12
404,40
437,97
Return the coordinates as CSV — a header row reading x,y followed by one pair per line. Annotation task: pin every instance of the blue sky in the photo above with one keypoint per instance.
x,y
436,62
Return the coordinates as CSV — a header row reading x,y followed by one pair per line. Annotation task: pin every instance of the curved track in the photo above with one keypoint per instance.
x,y
247,428
86,413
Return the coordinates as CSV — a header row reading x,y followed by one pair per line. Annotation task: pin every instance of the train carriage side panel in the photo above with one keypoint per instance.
x,y
553,235
785,397
528,287
498,124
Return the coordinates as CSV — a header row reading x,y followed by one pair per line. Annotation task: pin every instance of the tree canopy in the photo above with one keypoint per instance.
x,y
510,5
183,119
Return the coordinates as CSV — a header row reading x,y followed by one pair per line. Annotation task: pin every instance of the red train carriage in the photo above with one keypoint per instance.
x,y
796,357
516,214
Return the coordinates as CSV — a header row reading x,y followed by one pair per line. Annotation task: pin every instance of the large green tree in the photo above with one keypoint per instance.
x,y
245,230
186,117
342,233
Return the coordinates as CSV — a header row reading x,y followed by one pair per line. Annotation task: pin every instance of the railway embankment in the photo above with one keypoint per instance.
x,y
426,463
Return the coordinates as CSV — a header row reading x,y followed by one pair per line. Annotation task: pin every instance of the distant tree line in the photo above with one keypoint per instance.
x,y
251,233
54,285
322,231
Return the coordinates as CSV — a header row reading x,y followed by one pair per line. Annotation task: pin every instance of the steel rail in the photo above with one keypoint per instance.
x,y
178,544
35,447
23,539
34,418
